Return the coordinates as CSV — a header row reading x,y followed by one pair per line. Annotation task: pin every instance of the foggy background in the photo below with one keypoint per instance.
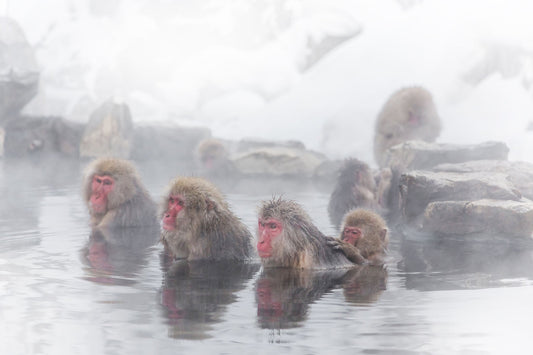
x,y
244,68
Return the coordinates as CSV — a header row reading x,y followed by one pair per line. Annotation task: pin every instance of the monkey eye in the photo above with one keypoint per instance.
x,y
107,182
272,225
181,202
98,180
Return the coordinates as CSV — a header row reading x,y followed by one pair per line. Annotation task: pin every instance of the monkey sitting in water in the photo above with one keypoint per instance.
x,y
288,238
197,223
115,195
364,237
355,188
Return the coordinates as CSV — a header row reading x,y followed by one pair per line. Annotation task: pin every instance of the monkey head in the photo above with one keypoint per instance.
x,y
362,225
109,183
285,233
191,199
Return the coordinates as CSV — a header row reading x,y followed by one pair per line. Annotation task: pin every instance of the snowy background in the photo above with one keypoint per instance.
x,y
244,69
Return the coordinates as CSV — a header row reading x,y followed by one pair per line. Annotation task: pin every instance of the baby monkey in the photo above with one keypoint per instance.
x,y
364,237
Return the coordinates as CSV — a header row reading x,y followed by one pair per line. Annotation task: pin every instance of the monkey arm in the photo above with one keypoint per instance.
x,y
352,253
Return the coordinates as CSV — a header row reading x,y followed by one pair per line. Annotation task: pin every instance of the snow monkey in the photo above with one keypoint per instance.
x,y
409,114
364,237
288,238
355,187
115,195
197,223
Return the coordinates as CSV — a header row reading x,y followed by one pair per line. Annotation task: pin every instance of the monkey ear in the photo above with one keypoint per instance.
x,y
383,234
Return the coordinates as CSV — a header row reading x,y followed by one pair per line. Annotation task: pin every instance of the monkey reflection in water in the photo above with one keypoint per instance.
x,y
195,294
283,295
114,255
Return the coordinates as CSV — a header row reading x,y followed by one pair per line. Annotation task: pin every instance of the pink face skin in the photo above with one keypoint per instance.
x,y
351,235
175,205
268,230
414,119
101,186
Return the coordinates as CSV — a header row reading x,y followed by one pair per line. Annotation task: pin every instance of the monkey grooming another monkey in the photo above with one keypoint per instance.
x,y
409,114
355,187
115,196
288,238
364,237
197,223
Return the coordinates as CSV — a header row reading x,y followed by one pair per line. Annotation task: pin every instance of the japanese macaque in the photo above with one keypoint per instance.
x,y
115,195
355,187
409,114
214,159
288,238
364,237
197,223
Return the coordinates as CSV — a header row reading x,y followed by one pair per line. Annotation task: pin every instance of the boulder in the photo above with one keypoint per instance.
x,y
278,161
413,155
2,139
34,135
419,155
519,173
19,73
418,188
513,218
174,143
109,132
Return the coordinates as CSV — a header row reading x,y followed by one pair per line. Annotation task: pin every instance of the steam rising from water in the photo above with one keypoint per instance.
x,y
240,67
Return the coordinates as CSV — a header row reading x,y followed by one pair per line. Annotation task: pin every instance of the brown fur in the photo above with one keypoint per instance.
x,y
206,228
355,187
372,246
129,204
214,159
392,124
301,244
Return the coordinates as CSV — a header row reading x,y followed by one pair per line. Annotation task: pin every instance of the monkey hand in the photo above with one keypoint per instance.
x,y
334,243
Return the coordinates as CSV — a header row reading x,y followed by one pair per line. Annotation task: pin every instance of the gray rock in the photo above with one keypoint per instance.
x,y
173,143
41,136
278,161
19,73
109,132
419,188
519,173
246,145
2,139
486,216
413,155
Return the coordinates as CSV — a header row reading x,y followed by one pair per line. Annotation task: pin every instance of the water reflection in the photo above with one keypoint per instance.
x,y
115,255
283,295
364,284
195,295
454,264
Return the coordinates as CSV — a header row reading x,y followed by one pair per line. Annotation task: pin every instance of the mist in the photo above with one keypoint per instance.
x,y
249,69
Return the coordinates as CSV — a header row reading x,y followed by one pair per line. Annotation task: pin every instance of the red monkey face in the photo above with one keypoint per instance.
x,y
101,186
175,205
268,230
351,235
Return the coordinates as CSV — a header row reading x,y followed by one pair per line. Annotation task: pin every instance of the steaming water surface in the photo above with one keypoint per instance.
x,y
63,290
